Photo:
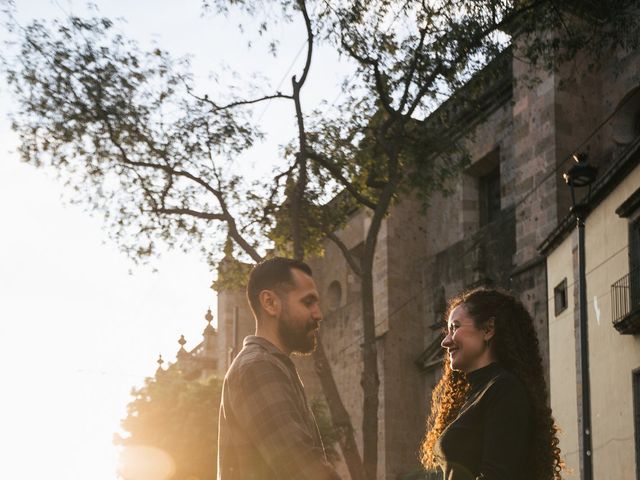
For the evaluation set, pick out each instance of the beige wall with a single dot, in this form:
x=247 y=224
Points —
x=612 y=356
x=562 y=355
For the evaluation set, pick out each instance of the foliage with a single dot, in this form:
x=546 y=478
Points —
x=179 y=416
x=123 y=131
x=232 y=273
x=328 y=432
x=134 y=143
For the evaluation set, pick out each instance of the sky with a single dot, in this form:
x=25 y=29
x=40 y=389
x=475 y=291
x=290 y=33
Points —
x=80 y=324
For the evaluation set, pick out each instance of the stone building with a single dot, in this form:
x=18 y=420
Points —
x=612 y=254
x=203 y=360
x=509 y=200
x=486 y=232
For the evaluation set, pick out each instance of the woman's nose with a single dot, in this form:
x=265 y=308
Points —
x=446 y=342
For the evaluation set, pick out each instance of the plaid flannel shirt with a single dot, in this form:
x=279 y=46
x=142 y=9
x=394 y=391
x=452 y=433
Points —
x=266 y=428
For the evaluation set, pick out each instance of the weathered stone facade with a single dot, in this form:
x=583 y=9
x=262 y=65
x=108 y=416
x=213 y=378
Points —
x=203 y=360
x=399 y=330
x=485 y=232
x=527 y=132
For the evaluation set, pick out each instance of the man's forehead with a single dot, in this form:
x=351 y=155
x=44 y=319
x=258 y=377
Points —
x=303 y=282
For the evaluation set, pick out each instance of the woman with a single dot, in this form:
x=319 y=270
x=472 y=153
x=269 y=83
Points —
x=489 y=415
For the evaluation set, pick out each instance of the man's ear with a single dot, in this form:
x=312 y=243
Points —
x=489 y=329
x=270 y=302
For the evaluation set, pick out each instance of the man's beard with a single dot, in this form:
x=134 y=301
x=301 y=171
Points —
x=297 y=338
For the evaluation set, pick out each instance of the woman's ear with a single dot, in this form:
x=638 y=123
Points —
x=489 y=329
x=270 y=302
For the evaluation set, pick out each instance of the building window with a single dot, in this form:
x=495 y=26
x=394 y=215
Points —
x=560 y=300
x=634 y=263
x=489 y=196
x=481 y=191
x=334 y=295
x=634 y=244
x=636 y=417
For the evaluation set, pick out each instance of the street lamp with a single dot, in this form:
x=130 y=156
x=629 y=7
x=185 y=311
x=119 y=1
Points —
x=580 y=177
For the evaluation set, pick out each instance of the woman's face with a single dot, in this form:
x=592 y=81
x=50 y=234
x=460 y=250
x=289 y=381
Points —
x=466 y=345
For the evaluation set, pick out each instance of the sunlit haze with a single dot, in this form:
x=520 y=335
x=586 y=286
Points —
x=80 y=324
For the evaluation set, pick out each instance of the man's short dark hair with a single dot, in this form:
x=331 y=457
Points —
x=271 y=274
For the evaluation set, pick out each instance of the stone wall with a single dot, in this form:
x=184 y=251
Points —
x=426 y=256
x=235 y=321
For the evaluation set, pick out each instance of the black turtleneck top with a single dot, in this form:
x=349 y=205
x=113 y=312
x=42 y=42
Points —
x=490 y=436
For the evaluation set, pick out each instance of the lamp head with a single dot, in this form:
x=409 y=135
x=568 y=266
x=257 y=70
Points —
x=580 y=177
x=581 y=174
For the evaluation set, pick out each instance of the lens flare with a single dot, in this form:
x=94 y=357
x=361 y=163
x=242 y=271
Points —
x=139 y=462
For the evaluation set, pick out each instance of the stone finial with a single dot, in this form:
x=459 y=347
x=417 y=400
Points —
x=209 y=330
x=160 y=370
x=182 y=353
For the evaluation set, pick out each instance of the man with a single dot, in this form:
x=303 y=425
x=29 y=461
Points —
x=266 y=428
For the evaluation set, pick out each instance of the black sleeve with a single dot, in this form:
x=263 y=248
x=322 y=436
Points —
x=507 y=418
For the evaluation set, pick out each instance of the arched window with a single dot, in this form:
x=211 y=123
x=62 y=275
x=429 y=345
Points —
x=334 y=295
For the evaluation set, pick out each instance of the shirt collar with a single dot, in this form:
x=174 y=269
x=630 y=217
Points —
x=481 y=376
x=266 y=345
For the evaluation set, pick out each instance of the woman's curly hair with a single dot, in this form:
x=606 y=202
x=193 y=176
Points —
x=515 y=345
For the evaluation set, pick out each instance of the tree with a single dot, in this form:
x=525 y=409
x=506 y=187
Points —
x=135 y=142
x=383 y=142
x=178 y=416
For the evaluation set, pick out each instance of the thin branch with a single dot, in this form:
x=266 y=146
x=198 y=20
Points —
x=307 y=23
x=561 y=19
x=297 y=196
x=337 y=174
x=345 y=253
x=441 y=69
x=274 y=189
x=227 y=216
x=373 y=183
x=412 y=69
x=379 y=81
x=217 y=108
x=191 y=213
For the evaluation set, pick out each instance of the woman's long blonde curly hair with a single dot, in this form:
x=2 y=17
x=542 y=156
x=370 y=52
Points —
x=515 y=346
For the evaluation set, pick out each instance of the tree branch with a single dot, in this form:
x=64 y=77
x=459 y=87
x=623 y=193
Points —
x=345 y=252
x=228 y=217
x=379 y=82
x=275 y=186
x=442 y=69
x=307 y=23
x=217 y=108
x=191 y=213
x=337 y=174
x=412 y=70
x=298 y=193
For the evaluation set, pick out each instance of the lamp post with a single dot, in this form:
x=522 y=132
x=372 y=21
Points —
x=580 y=177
